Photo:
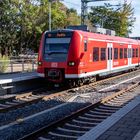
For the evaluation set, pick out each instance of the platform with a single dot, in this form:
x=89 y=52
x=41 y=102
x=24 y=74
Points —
x=16 y=77
x=122 y=125
x=19 y=82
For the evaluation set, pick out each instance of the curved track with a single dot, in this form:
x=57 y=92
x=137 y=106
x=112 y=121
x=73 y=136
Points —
x=26 y=99
x=75 y=125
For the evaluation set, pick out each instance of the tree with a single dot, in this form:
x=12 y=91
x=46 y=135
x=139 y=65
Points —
x=72 y=17
x=22 y=22
x=8 y=28
x=120 y=19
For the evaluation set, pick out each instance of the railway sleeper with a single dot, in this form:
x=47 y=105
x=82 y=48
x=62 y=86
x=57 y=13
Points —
x=115 y=105
x=105 y=110
x=100 y=113
x=123 y=98
x=66 y=132
x=73 y=126
x=84 y=122
x=90 y=119
x=109 y=107
x=96 y=116
x=4 y=105
x=11 y=103
x=56 y=135
x=118 y=101
x=71 y=130
x=18 y=101
x=42 y=138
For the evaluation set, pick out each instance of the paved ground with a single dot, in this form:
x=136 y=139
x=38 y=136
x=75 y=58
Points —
x=9 y=78
x=126 y=128
x=122 y=125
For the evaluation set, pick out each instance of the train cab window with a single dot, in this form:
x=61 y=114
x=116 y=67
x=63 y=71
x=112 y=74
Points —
x=125 y=52
x=103 y=54
x=85 y=45
x=121 y=53
x=95 y=54
x=133 y=52
x=136 y=52
x=115 y=53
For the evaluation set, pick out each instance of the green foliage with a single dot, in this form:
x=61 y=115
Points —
x=120 y=19
x=73 y=19
x=3 y=63
x=22 y=22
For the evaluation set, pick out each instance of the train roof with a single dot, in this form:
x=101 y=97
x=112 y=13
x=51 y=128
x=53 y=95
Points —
x=97 y=36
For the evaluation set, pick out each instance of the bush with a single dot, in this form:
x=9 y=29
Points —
x=3 y=63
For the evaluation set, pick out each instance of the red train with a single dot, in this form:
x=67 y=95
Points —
x=76 y=56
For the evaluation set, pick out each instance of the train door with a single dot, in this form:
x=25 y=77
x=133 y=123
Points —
x=129 y=55
x=109 y=62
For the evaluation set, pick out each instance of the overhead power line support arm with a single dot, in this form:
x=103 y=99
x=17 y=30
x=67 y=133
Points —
x=84 y=9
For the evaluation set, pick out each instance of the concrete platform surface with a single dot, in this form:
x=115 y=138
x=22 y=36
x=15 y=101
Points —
x=16 y=77
x=122 y=125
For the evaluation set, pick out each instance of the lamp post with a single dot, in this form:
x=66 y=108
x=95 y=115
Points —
x=50 y=14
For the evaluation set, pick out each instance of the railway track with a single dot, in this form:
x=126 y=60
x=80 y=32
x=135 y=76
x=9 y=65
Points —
x=81 y=121
x=66 y=101
x=19 y=101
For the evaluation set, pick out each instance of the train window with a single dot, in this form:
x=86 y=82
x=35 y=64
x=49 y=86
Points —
x=85 y=45
x=103 y=54
x=129 y=53
x=115 y=53
x=136 y=52
x=125 y=53
x=121 y=53
x=95 y=54
x=133 y=52
x=109 y=53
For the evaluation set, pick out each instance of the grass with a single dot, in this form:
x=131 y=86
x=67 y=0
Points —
x=3 y=63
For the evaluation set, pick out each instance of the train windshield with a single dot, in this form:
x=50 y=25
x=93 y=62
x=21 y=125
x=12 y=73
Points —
x=56 y=49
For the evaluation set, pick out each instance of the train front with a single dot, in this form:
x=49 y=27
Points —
x=57 y=55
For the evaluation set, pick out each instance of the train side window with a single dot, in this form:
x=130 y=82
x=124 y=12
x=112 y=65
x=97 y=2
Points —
x=133 y=52
x=115 y=53
x=103 y=54
x=95 y=54
x=125 y=52
x=121 y=53
x=136 y=52
x=129 y=52
x=109 y=53
x=85 y=45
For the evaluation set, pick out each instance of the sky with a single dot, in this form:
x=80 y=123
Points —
x=76 y=4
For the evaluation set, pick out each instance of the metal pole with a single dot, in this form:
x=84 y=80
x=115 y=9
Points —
x=50 y=20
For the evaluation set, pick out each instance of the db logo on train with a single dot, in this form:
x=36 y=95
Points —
x=54 y=65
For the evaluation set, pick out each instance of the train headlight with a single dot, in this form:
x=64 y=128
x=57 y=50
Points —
x=71 y=63
x=39 y=63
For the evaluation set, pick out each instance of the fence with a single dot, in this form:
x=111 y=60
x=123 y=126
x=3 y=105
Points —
x=18 y=65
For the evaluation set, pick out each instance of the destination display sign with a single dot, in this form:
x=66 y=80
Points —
x=58 y=34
